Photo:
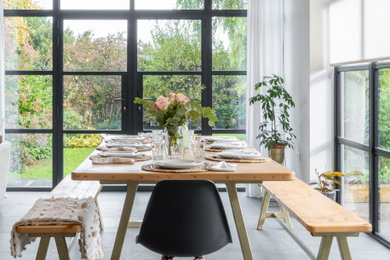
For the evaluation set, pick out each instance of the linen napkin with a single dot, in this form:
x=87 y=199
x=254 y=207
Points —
x=224 y=167
x=118 y=149
x=97 y=159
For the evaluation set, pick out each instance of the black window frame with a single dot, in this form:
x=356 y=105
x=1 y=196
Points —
x=131 y=83
x=372 y=148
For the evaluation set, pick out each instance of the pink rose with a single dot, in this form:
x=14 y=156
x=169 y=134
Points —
x=171 y=97
x=182 y=99
x=162 y=103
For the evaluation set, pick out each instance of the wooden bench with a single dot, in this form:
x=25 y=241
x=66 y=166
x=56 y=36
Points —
x=69 y=189
x=321 y=216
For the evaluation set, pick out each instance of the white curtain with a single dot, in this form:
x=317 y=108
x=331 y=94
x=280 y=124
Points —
x=265 y=57
x=2 y=61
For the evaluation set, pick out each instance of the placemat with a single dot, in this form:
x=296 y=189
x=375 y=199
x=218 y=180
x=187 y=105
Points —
x=219 y=159
x=154 y=168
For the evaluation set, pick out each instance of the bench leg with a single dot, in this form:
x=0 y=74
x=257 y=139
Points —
x=62 y=248
x=323 y=252
x=264 y=213
x=343 y=247
x=42 y=249
x=286 y=217
x=263 y=210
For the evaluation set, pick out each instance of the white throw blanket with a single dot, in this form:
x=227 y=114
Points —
x=62 y=211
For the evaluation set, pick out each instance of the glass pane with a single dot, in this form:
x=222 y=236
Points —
x=77 y=147
x=28 y=43
x=25 y=5
x=156 y=85
x=29 y=101
x=384 y=108
x=229 y=98
x=168 y=4
x=169 y=45
x=95 y=4
x=95 y=45
x=31 y=160
x=89 y=102
x=230 y=4
x=355 y=124
x=229 y=43
x=384 y=195
x=356 y=188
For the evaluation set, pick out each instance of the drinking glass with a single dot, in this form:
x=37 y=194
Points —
x=157 y=135
x=177 y=151
x=158 y=151
x=199 y=146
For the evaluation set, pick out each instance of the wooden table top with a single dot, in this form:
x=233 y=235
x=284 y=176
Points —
x=246 y=173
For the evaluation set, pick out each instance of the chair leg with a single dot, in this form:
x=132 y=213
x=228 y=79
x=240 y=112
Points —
x=165 y=257
x=200 y=257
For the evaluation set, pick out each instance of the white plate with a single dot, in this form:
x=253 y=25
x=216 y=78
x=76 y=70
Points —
x=125 y=140
x=134 y=145
x=178 y=164
x=241 y=154
x=118 y=154
x=227 y=145
x=220 y=138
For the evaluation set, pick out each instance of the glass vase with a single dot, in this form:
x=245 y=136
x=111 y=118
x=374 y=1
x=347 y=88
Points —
x=174 y=145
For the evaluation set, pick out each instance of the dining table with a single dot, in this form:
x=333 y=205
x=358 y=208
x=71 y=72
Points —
x=133 y=175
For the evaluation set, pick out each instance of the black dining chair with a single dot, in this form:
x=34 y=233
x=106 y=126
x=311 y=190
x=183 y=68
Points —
x=184 y=219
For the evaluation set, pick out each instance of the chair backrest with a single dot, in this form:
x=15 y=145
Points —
x=185 y=218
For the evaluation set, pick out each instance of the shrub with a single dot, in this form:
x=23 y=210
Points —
x=84 y=140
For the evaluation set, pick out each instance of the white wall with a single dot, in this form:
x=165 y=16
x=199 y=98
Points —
x=321 y=91
x=297 y=75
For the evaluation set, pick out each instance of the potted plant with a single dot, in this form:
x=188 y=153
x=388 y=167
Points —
x=326 y=183
x=275 y=130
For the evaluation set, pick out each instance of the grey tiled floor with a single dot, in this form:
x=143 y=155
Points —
x=271 y=243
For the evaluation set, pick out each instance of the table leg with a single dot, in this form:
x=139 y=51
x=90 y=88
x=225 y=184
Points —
x=239 y=220
x=122 y=228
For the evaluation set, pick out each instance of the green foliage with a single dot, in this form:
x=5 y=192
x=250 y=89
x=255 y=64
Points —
x=275 y=102
x=84 y=141
x=88 y=100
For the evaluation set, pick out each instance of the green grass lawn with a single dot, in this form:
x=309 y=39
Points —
x=43 y=168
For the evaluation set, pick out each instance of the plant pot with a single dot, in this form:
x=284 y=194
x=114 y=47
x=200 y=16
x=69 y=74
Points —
x=277 y=153
x=330 y=194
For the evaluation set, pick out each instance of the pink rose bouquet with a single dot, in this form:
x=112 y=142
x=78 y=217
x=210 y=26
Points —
x=175 y=109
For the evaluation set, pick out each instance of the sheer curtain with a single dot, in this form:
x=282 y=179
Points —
x=2 y=61
x=265 y=57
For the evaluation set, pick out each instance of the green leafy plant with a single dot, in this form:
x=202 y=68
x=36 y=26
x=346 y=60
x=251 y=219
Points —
x=327 y=180
x=275 y=102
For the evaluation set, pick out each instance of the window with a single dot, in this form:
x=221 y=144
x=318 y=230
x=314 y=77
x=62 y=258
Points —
x=73 y=69
x=363 y=142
